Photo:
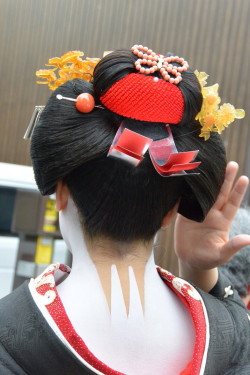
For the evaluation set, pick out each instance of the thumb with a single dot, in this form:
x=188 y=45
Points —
x=234 y=245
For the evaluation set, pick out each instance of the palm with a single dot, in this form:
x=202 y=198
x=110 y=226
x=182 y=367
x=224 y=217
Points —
x=206 y=245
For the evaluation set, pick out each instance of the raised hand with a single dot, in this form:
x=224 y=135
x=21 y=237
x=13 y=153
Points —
x=201 y=247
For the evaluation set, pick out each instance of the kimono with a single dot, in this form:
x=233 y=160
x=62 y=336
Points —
x=37 y=338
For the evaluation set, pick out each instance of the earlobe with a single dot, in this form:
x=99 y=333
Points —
x=169 y=216
x=62 y=196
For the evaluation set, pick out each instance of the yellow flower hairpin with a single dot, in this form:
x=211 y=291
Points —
x=212 y=117
x=68 y=66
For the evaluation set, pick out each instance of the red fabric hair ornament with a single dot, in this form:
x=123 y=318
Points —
x=145 y=98
x=131 y=146
x=148 y=98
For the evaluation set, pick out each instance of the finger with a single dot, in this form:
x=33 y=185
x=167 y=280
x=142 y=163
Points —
x=233 y=246
x=236 y=196
x=231 y=172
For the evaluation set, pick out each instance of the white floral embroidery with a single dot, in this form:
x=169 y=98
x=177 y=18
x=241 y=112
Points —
x=178 y=284
x=49 y=279
x=228 y=291
x=50 y=269
x=48 y=297
x=194 y=294
x=165 y=271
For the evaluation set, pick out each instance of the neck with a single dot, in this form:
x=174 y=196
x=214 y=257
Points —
x=104 y=260
x=107 y=251
x=111 y=257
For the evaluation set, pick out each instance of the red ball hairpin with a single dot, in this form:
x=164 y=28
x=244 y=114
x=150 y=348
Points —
x=162 y=63
x=85 y=102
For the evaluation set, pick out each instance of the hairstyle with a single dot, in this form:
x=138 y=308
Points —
x=114 y=198
x=238 y=268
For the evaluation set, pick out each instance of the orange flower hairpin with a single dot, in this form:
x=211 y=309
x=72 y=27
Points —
x=67 y=67
x=70 y=66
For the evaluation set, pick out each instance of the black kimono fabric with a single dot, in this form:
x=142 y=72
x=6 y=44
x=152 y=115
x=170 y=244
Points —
x=28 y=345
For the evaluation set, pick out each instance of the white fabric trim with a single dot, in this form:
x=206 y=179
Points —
x=204 y=359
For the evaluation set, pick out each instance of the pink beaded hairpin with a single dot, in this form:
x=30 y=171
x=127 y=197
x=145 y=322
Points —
x=159 y=62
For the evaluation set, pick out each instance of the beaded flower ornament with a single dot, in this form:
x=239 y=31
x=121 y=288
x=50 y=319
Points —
x=162 y=63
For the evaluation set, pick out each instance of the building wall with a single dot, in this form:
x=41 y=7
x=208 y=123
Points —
x=212 y=35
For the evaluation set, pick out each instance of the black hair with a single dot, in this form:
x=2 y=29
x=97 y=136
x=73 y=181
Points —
x=114 y=198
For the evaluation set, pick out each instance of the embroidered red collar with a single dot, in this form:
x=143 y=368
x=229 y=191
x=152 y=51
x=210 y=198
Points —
x=45 y=287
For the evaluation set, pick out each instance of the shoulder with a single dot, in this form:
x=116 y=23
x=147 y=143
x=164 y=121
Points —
x=25 y=336
x=16 y=304
x=227 y=333
x=11 y=313
x=11 y=304
x=229 y=326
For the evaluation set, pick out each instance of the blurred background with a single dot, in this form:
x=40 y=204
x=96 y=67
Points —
x=212 y=35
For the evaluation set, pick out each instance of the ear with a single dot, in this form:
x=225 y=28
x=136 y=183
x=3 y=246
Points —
x=169 y=216
x=62 y=196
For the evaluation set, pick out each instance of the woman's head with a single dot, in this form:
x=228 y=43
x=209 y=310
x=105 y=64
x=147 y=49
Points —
x=114 y=198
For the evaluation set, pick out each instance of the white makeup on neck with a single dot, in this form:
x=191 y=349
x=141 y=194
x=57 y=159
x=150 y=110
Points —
x=124 y=337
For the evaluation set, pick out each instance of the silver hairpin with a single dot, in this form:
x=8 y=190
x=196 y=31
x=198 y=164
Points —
x=60 y=97
x=33 y=121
